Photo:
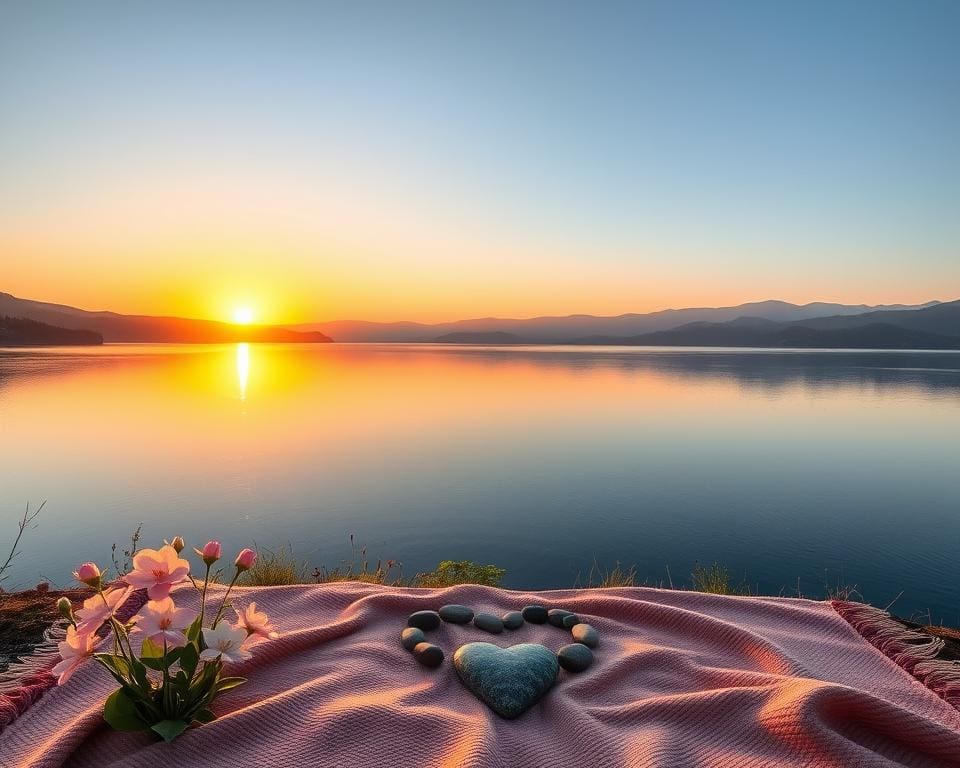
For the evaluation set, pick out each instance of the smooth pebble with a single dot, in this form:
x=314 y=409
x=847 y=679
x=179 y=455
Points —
x=425 y=620
x=570 y=621
x=512 y=620
x=488 y=623
x=411 y=637
x=430 y=655
x=535 y=614
x=575 y=657
x=556 y=616
x=456 y=614
x=585 y=634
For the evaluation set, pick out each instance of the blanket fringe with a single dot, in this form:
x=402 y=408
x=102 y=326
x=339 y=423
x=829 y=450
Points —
x=914 y=651
x=28 y=679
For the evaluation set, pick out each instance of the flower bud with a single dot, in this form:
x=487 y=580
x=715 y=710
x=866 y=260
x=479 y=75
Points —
x=66 y=609
x=211 y=552
x=245 y=560
x=89 y=574
x=178 y=544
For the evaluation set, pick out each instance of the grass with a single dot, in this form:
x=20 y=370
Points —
x=599 y=577
x=280 y=567
x=715 y=579
x=274 y=568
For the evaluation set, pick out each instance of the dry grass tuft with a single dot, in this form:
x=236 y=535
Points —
x=274 y=568
x=600 y=578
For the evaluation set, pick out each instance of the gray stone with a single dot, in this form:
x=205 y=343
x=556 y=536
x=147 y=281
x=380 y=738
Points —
x=488 y=623
x=456 y=614
x=508 y=680
x=586 y=635
x=512 y=620
x=411 y=636
x=429 y=655
x=425 y=620
x=575 y=657
x=570 y=621
x=556 y=616
x=535 y=614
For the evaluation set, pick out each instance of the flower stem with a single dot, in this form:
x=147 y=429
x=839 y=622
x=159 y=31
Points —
x=203 y=593
x=224 y=603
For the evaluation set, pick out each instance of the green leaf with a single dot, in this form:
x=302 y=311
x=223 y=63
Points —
x=116 y=664
x=204 y=716
x=153 y=662
x=121 y=713
x=169 y=729
x=189 y=657
x=150 y=650
x=226 y=683
x=140 y=675
x=193 y=633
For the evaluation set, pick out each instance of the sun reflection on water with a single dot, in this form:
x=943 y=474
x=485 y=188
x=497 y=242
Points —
x=243 y=368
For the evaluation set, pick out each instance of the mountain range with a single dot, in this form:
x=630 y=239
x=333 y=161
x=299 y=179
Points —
x=571 y=328
x=934 y=325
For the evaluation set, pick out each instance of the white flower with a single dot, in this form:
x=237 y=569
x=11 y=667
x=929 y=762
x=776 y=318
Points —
x=226 y=642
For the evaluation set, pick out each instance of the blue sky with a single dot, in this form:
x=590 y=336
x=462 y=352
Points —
x=430 y=160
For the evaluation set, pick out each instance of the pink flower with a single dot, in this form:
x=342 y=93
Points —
x=162 y=622
x=256 y=623
x=225 y=642
x=100 y=607
x=245 y=559
x=76 y=649
x=157 y=570
x=88 y=574
x=210 y=553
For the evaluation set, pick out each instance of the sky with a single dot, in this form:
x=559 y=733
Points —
x=441 y=160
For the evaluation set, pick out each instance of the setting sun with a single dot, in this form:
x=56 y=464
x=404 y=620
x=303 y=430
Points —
x=243 y=315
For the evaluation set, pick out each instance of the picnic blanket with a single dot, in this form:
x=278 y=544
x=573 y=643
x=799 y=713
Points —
x=679 y=679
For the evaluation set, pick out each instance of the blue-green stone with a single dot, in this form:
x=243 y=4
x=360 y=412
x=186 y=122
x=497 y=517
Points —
x=508 y=680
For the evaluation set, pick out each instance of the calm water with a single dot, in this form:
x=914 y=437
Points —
x=784 y=466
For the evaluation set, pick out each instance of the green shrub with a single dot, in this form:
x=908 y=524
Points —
x=452 y=572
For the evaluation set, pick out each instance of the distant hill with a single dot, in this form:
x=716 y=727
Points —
x=18 y=332
x=551 y=330
x=115 y=327
x=493 y=337
x=935 y=327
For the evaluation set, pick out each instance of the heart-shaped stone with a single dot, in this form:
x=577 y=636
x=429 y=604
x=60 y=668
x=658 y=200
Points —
x=508 y=680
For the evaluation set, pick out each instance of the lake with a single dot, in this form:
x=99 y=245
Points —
x=794 y=469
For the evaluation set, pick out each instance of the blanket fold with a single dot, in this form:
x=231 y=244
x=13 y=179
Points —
x=679 y=679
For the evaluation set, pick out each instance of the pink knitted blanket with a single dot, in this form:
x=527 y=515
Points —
x=679 y=679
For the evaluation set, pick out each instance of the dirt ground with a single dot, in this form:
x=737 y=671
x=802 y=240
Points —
x=24 y=616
